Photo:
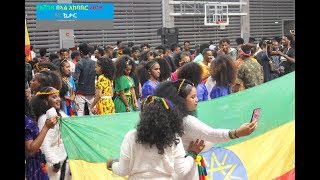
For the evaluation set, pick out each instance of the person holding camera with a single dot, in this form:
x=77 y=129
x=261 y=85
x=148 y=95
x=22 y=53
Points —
x=288 y=54
x=276 y=70
x=183 y=94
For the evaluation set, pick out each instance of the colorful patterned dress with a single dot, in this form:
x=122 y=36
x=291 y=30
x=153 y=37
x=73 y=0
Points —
x=105 y=105
x=35 y=166
x=123 y=83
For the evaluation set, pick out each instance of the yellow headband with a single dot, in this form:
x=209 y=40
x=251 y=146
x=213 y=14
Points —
x=63 y=61
x=181 y=85
x=47 y=93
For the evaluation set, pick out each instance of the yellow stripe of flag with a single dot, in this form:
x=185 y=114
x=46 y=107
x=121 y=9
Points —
x=269 y=155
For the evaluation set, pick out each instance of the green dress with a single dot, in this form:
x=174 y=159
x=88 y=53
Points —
x=123 y=83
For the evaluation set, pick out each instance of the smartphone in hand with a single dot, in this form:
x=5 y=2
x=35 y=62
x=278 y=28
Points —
x=255 y=114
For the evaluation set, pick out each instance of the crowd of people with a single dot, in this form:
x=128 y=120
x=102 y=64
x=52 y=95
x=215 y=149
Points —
x=165 y=83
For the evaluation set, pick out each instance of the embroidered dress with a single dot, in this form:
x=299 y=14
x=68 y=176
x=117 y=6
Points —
x=35 y=166
x=148 y=88
x=68 y=106
x=105 y=105
x=123 y=83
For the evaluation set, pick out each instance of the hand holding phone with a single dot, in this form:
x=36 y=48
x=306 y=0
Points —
x=255 y=114
x=247 y=128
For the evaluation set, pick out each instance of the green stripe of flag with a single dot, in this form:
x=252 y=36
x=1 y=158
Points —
x=276 y=98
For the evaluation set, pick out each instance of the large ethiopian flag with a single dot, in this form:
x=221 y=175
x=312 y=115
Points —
x=268 y=153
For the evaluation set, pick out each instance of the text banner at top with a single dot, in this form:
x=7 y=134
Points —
x=74 y=16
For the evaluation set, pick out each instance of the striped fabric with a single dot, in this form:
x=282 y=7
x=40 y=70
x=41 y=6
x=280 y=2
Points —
x=27 y=43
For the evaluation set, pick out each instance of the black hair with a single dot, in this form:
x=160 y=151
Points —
x=49 y=65
x=166 y=47
x=121 y=64
x=118 y=42
x=246 y=48
x=53 y=56
x=159 y=126
x=115 y=54
x=135 y=48
x=165 y=69
x=49 y=78
x=42 y=51
x=170 y=62
x=205 y=51
x=186 y=42
x=84 y=48
x=203 y=46
x=62 y=50
x=252 y=39
x=101 y=51
x=39 y=103
x=191 y=71
x=142 y=70
x=130 y=44
x=277 y=38
x=224 y=40
x=63 y=90
x=161 y=47
x=74 y=54
x=144 y=44
x=61 y=66
x=107 y=67
x=173 y=46
x=144 y=55
x=126 y=50
x=91 y=50
x=169 y=90
x=262 y=44
x=239 y=41
x=177 y=58
x=289 y=37
x=215 y=52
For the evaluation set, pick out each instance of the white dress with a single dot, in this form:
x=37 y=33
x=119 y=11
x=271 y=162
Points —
x=195 y=129
x=139 y=161
x=53 y=148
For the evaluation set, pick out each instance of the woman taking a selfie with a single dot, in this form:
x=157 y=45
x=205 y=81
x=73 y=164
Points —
x=183 y=94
